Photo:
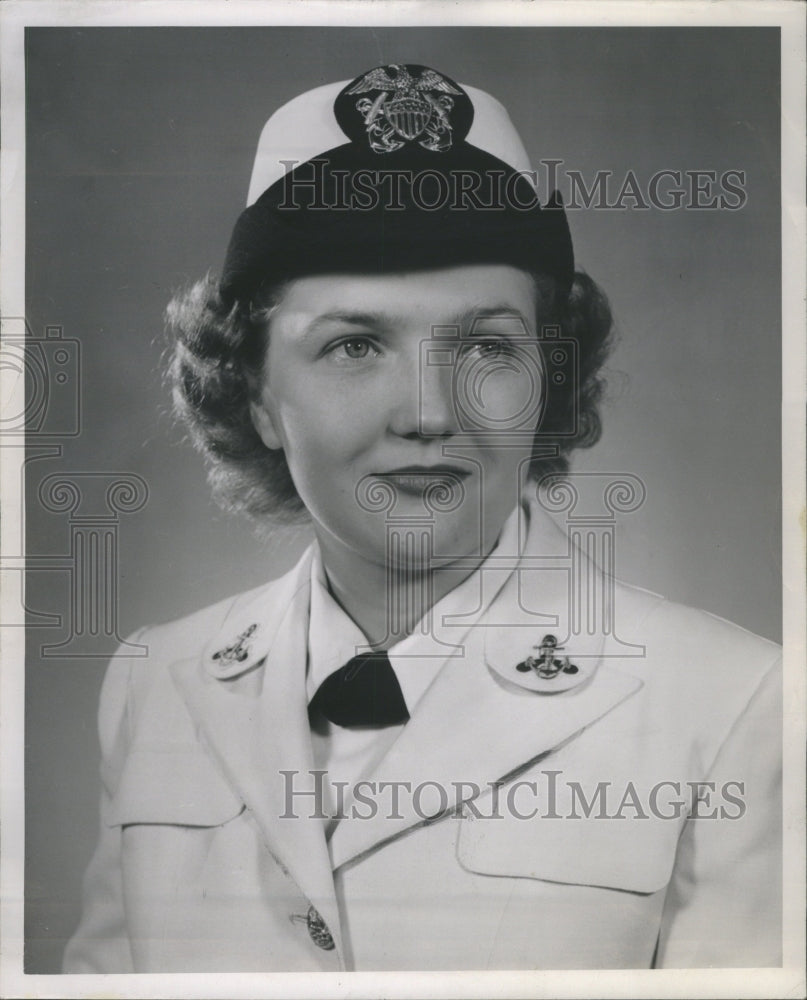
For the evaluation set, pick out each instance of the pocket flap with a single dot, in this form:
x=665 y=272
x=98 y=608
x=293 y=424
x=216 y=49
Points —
x=178 y=787
x=634 y=855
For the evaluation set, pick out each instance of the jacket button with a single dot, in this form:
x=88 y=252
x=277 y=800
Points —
x=318 y=930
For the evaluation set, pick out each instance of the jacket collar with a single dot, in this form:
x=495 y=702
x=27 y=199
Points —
x=251 y=707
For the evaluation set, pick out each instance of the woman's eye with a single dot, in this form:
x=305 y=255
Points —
x=487 y=348
x=355 y=349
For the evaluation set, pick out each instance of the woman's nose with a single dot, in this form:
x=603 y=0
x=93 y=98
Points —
x=424 y=399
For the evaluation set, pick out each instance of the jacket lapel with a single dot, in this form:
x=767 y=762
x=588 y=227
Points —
x=251 y=709
x=482 y=720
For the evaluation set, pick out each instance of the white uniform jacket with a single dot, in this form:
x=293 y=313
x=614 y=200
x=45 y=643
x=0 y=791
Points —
x=624 y=815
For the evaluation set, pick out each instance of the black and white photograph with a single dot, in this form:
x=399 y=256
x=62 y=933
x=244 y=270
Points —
x=403 y=483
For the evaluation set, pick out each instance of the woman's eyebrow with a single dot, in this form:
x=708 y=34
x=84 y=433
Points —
x=384 y=320
x=349 y=318
x=484 y=312
x=500 y=311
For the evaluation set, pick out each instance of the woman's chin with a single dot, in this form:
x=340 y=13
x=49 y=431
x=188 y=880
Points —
x=416 y=545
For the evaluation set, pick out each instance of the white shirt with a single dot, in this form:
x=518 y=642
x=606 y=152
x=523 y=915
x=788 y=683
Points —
x=349 y=755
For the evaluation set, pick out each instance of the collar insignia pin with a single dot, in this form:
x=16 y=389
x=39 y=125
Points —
x=239 y=650
x=547 y=665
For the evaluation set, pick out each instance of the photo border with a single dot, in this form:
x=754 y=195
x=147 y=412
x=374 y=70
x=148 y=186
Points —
x=15 y=15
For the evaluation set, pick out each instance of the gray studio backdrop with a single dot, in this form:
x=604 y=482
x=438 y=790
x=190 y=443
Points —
x=139 y=151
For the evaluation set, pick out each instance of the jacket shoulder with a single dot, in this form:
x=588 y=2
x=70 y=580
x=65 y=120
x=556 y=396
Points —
x=189 y=635
x=705 y=670
x=138 y=691
x=692 y=630
x=191 y=631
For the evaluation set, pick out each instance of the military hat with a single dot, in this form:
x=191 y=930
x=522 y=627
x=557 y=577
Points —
x=399 y=169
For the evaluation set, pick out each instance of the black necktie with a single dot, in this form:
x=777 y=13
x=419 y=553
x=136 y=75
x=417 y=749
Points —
x=365 y=692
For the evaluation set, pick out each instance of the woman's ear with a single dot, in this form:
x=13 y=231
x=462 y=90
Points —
x=264 y=424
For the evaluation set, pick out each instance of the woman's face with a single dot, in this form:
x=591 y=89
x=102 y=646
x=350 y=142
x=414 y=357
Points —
x=405 y=399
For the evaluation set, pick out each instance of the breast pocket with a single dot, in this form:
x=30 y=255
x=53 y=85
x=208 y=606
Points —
x=174 y=787
x=629 y=854
x=570 y=894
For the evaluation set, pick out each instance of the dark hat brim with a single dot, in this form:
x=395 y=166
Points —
x=353 y=211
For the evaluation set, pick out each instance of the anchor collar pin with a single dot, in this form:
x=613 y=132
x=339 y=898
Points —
x=548 y=665
x=547 y=668
x=235 y=649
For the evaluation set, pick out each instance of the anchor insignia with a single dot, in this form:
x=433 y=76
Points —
x=239 y=650
x=547 y=665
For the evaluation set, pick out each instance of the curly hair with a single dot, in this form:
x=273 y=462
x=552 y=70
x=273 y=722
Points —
x=217 y=352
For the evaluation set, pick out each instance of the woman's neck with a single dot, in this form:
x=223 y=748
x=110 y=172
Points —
x=387 y=601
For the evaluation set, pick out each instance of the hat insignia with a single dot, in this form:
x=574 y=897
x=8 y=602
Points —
x=408 y=108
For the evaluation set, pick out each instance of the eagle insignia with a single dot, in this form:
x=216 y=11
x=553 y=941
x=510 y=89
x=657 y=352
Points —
x=406 y=108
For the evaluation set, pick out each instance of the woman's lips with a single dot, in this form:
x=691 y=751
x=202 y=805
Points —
x=417 y=479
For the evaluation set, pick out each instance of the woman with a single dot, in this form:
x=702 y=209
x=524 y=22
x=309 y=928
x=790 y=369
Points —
x=426 y=747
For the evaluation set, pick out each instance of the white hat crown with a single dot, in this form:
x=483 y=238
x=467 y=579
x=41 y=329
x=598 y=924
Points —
x=306 y=126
